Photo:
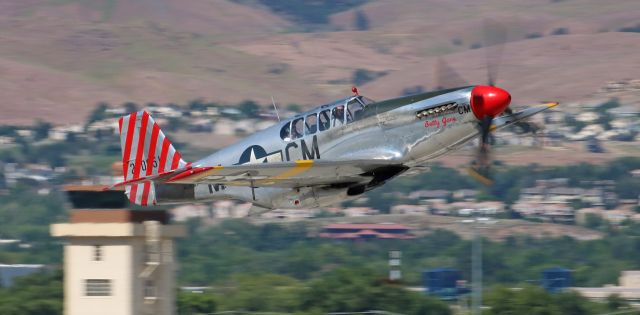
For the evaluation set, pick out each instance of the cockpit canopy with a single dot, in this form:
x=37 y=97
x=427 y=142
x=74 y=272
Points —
x=325 y=117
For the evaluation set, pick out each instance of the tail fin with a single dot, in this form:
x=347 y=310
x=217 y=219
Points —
x=145 y=151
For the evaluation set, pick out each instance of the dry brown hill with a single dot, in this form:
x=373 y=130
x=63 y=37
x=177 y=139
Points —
x=58 y=58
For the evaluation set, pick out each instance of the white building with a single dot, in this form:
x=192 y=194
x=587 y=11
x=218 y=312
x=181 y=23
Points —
x=118 y=262
x=629 y=288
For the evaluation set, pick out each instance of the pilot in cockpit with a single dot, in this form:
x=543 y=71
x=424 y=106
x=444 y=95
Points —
x=338 y=115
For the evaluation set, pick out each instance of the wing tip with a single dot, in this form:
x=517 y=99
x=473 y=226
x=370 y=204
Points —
x=551 y=104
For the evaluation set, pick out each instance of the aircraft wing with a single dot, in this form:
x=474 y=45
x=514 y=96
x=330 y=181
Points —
x=283 y=174
x=507 y=120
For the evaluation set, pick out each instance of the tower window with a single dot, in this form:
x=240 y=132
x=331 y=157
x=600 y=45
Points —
x=97 y=287
x=97 y=253
x=150 y=289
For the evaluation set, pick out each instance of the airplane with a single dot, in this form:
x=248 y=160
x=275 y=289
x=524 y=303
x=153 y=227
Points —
x=321 y=157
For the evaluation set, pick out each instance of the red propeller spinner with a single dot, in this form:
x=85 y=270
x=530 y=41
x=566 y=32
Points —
x=489 y=101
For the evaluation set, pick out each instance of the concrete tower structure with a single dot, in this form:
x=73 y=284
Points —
x=119 y=262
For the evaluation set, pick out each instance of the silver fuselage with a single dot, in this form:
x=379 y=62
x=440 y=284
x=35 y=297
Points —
x=388 y=130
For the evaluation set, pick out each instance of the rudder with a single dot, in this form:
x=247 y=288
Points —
x=145 y=151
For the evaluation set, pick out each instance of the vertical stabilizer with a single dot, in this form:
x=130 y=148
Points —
x=145 y=151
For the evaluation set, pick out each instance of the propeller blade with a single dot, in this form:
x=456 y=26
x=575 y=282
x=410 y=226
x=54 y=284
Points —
x=485 y=128
x=495 y=36
x=477 y=175
x=480 y=168
x=447 y=77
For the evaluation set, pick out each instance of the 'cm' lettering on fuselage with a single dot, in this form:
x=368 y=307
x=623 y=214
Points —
x=464 y=109
x=308 y=152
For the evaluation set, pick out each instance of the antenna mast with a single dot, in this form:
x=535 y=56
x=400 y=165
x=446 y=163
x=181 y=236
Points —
x=275 y=107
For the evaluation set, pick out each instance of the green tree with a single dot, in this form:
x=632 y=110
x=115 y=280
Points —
x=249 y=108
x=130 y=107
x=358 y=290
x=593 y=221
x=190 y=303
x=197 y=104
x=615 y=302
x=41 y=130
x=99 y=113
x=35 y=294
x=261 y=292
x=296 y=108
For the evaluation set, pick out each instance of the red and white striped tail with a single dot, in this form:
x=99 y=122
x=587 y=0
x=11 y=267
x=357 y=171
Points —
x=145 y=151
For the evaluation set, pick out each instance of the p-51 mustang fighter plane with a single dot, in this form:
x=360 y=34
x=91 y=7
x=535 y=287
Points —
x=321 y=157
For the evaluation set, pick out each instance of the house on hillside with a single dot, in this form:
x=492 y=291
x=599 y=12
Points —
x=359 y=211
x=558 y=212
x=465 y=194
x=409 y=209
x=356 y=231
x=430 y=194
x=290 y=214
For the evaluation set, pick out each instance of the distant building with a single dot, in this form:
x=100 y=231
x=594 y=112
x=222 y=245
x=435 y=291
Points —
x=467 y=208
x=9 y=272
x=185 y=212
x=230 y=209
x=200 y=125
x=290 y=214
x=538 y=200
x=409 y=209
x=556 y=279
x=629 y=288
x=615 y=216
x=465 y=194
x=443 y=282
x=359 y=211
x=430 y=194
x=582 y=214
x=559 y=212
x=366 y=231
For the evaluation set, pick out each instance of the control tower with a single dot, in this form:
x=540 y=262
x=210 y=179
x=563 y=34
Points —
x=119 y=261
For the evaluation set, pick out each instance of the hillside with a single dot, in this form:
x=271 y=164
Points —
x=59 y=58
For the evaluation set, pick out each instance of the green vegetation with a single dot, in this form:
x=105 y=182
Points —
x=340 y=290
x=249 y=108
x=215 y=255
x=308 y=11
x=363 y=76
x=283 y=268
x=99 y=113
x=630 y=29
x=35 y=294
x=195 y=303
x=534 y=300
x=25 y=215
x=508 y=181
x=41 y=130
x=279 y=268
